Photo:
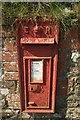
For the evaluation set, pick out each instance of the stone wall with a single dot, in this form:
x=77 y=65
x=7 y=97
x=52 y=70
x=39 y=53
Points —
x=68 y=82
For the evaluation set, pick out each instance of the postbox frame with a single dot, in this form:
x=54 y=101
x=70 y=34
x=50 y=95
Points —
x=21 y=42
x=36 y=58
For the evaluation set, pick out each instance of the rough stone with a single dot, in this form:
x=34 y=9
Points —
x=13 y=101
x=25 y=115
x=75 y=56
x=4 y=91
x=3 y=102
x=9 y=56
x=71 y=105
x=0 y=72
x=11 y=66
x=41 y=116
x=13 y=97
x=0 y=55
x=78 y=80
x=7 y=113
x=1 y=84
x=2 y=96
x=11 y=76
x=10 y=85
x=10 y=45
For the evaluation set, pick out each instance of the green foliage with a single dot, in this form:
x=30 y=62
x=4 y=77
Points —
x=65 y=13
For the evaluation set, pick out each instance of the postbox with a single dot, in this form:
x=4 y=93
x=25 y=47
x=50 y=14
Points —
x=37 y=43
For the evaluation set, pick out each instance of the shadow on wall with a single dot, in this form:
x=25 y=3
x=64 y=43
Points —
x=62 y=81
x=66 y=84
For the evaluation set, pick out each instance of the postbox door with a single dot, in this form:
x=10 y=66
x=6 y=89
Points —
x=38 y=82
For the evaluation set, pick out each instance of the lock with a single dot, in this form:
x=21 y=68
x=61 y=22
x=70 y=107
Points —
x=35 y=88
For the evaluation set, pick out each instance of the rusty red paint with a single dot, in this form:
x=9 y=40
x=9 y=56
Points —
x=38 y=42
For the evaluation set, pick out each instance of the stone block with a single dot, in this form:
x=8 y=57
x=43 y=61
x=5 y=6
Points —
x=7 y=76
x=9 y=56
x=11 y=85
x=13 y=101
x=25 y=115
x=15 y=76
x=1 y=64
x=0 y=55
x=71 y=97
x=11 y=76
x=75 y=44
x=1 y=74
x=10 y=45
x=1 y=84
x=1 y=78
x=11 y=66
x=78 y=80
x=2 y=103
x=7 y=113
x=70 y=112
x=4 y=91
x=75 y=56
x=77 y=92
x=14 y=105
x=2 y=96
x=78 y=110
x=72 y=105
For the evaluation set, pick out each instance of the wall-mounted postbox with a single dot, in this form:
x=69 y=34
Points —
x=37 y=44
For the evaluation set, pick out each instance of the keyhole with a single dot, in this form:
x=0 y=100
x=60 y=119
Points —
x=31 y=88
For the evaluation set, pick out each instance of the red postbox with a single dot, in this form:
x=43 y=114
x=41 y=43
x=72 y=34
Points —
x=37 y=44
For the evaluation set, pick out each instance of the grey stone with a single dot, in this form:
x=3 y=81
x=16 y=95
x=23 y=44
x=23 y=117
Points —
x=4 y=91
x=75 y=56
x=14 y=117
x=2 y=103
x=56 y=115
x=1 y=64
x=1 y=84
x=0 y=47
x=72 y=105
x=10 y=85
x=25 y=115
x=77 y=93
x=6 y=114
x=78 y=80
x=0 y=72
x=17 y=111
x=9 y=113
x=1 y=78
x=2 y=96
